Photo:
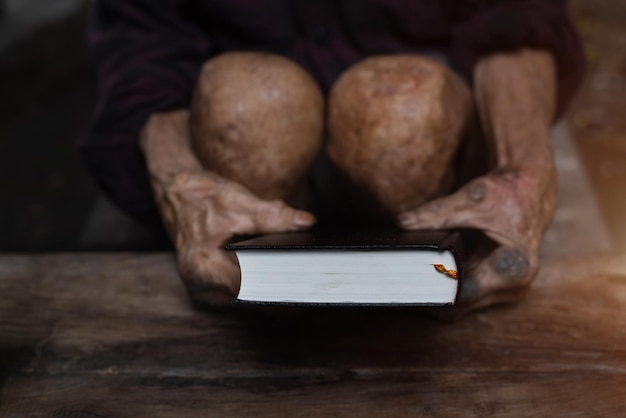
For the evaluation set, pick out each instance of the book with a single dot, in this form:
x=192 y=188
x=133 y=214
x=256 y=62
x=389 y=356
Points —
x=404 y=268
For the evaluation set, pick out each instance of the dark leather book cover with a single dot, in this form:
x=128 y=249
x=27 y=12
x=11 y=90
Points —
x=349 y=240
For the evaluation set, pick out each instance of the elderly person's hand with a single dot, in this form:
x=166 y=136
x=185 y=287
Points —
x=202 y=211
x=513 y=204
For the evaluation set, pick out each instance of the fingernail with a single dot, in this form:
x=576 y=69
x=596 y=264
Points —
x=406 y=219
x=303 y=219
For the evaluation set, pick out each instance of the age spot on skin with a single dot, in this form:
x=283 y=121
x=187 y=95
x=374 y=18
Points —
x=510 y=263
x=477 y=192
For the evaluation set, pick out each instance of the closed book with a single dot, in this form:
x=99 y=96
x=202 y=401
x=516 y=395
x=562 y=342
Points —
x=393 y=267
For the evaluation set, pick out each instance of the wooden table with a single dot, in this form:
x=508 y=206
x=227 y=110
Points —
x=96 y=335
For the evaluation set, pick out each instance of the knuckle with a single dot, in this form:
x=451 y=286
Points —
x=476 y=191
x=278 y=206
x=436 y=205
x=274 y=210
x=265 y=206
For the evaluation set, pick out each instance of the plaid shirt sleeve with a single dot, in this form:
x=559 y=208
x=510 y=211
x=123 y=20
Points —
x=148 y=55
x=487 y=26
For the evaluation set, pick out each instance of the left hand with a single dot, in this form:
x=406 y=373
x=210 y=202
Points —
x=512 y=205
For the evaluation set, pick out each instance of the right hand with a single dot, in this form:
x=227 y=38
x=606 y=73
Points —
x=202 y=211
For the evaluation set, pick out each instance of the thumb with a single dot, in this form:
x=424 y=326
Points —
x=275 y=216
x=459 y=210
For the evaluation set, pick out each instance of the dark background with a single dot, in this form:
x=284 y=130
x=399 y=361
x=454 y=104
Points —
x=47 y=95
x=48 y=202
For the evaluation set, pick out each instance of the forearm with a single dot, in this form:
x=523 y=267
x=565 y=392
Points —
x=165 y=143
x=516 y=97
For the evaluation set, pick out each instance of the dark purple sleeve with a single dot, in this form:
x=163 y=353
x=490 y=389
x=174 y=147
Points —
x=484 y=27
x=148 y=55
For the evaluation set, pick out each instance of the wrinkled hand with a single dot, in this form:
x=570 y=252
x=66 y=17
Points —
x=512 y=206
x=202 y=211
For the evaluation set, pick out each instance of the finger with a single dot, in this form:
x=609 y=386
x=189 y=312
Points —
x=459 y=210
x=505 y=269
x=208 y=271
x=275 y=216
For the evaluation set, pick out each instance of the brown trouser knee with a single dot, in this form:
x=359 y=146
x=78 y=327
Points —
x=394 y=125
x=257 y=119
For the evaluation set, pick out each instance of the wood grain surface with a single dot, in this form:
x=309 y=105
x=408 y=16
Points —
x=114 y=335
